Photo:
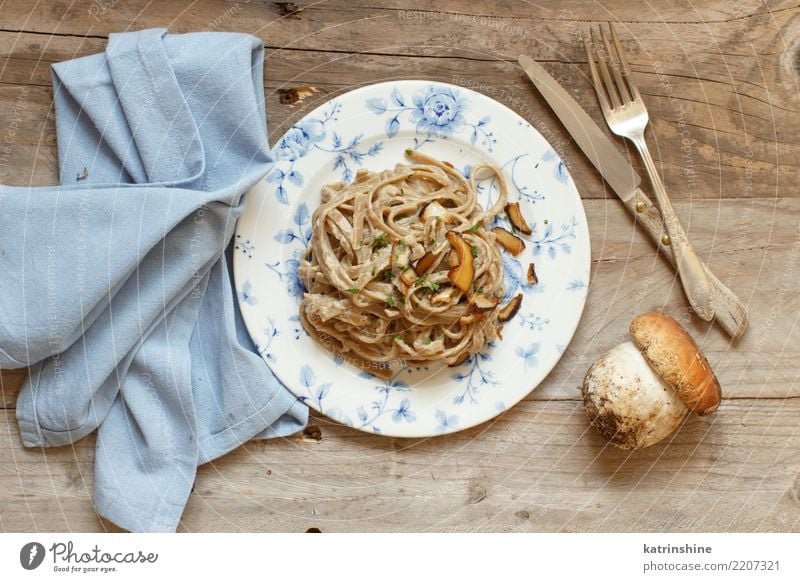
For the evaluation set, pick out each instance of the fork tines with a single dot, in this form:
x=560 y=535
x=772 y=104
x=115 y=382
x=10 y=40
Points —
x=611 y=61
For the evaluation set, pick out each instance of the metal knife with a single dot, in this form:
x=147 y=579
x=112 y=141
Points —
x=731 y=312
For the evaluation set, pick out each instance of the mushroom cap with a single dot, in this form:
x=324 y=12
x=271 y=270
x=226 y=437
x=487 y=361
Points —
x=673 y=353
x=628 y=402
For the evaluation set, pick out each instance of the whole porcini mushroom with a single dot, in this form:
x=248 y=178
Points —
x=640 y=391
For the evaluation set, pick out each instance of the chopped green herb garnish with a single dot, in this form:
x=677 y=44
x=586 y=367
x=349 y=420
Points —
x=386 y=275
x=397 y=337
x=403 y=300
x=380 y=242
x=513 y=229
x=431 y=242
x=427 y=341
x=402 y=192
x=474 y=228
x=409 y=151
x=546 y=221
x=536 y=166
x=354 y=290
x=390 y=301
x=479 y=290
x=474 y=251
x=423 y=282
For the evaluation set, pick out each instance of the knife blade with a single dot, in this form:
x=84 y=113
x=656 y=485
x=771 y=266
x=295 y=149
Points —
x=731 y=312
x=612 y=165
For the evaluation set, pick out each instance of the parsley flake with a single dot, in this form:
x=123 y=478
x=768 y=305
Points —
x=380 y=242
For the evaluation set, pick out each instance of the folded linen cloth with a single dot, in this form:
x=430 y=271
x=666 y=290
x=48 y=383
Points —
x=115 y=287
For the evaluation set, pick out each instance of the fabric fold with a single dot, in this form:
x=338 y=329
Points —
x=117 y=292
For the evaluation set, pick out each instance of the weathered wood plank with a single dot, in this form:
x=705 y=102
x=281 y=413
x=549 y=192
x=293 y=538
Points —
x=537 y=468
x=721 y=77
x=722 y=115
x=754 y=246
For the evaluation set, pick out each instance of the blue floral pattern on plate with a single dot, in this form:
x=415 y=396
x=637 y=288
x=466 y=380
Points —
x=370 y=128
x=437 y=111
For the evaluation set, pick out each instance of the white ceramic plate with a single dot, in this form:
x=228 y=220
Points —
x=370 y=128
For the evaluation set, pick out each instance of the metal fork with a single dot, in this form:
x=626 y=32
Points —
x=626 y=115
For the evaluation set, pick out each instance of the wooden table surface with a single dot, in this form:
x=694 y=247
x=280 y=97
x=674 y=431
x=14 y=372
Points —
x=721 y=81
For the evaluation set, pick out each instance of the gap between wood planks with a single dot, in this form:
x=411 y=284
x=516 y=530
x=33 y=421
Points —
x=276 y=48
x=730 y=397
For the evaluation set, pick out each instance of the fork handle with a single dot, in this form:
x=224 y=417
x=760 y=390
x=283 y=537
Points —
x=690 y=268
x=731 y=312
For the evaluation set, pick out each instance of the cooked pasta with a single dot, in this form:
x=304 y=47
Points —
x=402 y=266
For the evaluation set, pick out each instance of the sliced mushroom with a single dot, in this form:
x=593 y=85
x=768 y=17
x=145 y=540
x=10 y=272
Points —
x=425 y=263
x=443 y=297
x=517 y=220
x=510 y=309
x=408 y=277
x=462 y=275
x=484 y=303
x=532 y=279
x=513 y=244
x=471 y=318
x=401 y=255
x=436 y=210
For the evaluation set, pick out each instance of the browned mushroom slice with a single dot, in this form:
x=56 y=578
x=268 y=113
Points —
x=510 y=309
x=462 y=275
x=425 y=263
x=483 y=303
x=532 y=279
x=471 y=318
x=408 y=277
x=401 y=255
x=508 y=241
x=517 y=220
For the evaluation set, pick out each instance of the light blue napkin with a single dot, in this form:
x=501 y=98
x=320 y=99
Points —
x=115 y=288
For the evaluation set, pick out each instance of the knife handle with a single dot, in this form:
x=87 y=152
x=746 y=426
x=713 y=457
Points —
x=731 y=312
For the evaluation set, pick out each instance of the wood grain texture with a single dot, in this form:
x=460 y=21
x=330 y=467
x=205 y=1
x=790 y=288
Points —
x=721 y=82
x=536 y=468
x=753 y=246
